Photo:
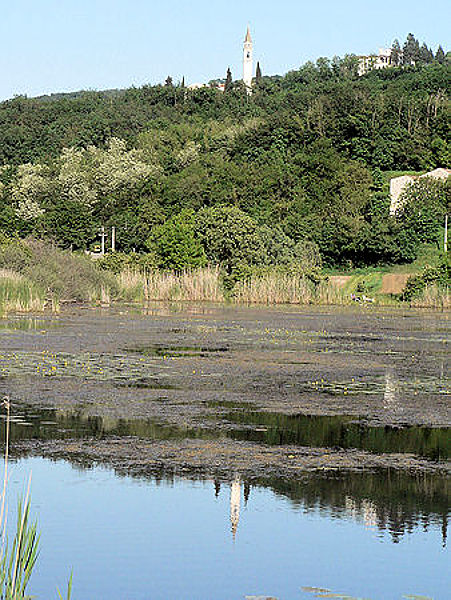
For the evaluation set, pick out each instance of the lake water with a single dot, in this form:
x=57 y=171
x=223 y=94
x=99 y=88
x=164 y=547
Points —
x=175 y=538
x=352 y=379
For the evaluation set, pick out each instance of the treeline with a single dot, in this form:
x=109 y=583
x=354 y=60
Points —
x=297 y=167
x=413 y=54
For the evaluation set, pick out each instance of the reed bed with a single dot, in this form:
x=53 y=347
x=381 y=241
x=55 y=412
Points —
x=99 y=295
x=328 y=293
x=433 y=296
x=286 y=288
x=132 y=284
x=273 y=288
x=18 y=294
x=193 y=285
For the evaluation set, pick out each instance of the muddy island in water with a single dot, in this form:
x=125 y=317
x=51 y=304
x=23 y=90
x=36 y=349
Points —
x=221 y=391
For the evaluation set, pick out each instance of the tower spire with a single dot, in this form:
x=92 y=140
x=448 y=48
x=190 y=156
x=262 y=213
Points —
x=248 y=69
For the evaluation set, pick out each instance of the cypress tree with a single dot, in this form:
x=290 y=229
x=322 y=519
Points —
x=411 y=50
x=426 y=55
x=440 y=55
x=396 y=53
x=228 y=81
x=258 y=74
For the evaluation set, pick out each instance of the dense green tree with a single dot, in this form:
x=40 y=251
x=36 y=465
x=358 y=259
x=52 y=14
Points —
x=68 y=223
x=411 y=50
x=278 y=247
x=426 y=55
x=424 y=205
x=228 y=81
x=258 y=74
x=175 y=244
x=230 y=238
x=440 y=55
x=396 y=54
x=134 y=224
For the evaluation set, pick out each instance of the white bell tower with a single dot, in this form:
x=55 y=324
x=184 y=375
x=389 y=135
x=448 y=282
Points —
x=248 y=65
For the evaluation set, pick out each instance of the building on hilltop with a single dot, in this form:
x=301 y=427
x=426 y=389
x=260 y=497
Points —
x=217 y=84
x=248 y=69
x=248 y=61
x=399 y=184
x=382 y=60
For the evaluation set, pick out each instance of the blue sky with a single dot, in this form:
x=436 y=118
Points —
x=63 y=45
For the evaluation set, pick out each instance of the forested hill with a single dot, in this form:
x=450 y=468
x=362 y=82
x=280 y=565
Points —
x=392 y=119
x=305 y=154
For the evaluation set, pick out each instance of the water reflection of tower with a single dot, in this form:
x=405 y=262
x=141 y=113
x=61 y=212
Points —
x=391 y=387
x=235 y=500
x=364 y=511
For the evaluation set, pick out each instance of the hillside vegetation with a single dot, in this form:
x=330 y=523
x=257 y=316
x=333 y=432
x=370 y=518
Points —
x=293 y=174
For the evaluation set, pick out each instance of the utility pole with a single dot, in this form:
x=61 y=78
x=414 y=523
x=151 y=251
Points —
x=445 y=238
x=103 y=236
x=113 y=239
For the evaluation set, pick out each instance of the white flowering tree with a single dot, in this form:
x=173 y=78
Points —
x=28 y=190
x=74 y=180
x=117 y=168
x=83 y=189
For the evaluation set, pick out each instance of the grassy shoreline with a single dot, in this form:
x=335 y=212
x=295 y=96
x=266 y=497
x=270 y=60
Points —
x=19 y=295
x=35 y=277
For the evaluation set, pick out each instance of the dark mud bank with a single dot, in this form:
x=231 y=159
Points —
x=237 y=389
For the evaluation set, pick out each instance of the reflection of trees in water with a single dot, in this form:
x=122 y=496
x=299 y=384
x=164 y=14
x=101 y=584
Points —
x=391 y=501
x=341 y=431
x=388 y=500
x=63 y=423
x=264 y=427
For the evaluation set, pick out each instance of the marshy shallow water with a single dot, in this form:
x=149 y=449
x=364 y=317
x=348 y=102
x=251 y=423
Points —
x=34 y=423
x=275 y=423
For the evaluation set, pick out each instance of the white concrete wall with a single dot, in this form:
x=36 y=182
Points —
x=398 y=185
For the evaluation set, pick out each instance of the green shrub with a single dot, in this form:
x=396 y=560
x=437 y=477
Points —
x=439 y=275
x=230 y=238
x=175 y=244
x=63 y=275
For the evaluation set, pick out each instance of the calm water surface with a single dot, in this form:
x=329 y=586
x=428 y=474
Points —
x=30 y=422
x=147 y=539
x=378 y=535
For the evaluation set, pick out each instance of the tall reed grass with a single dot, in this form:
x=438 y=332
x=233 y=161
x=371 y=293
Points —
x=270 y=287
x=205 y=284
x=433 y=296
x=286 y=288
x=194 y=285
x=19 y=294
